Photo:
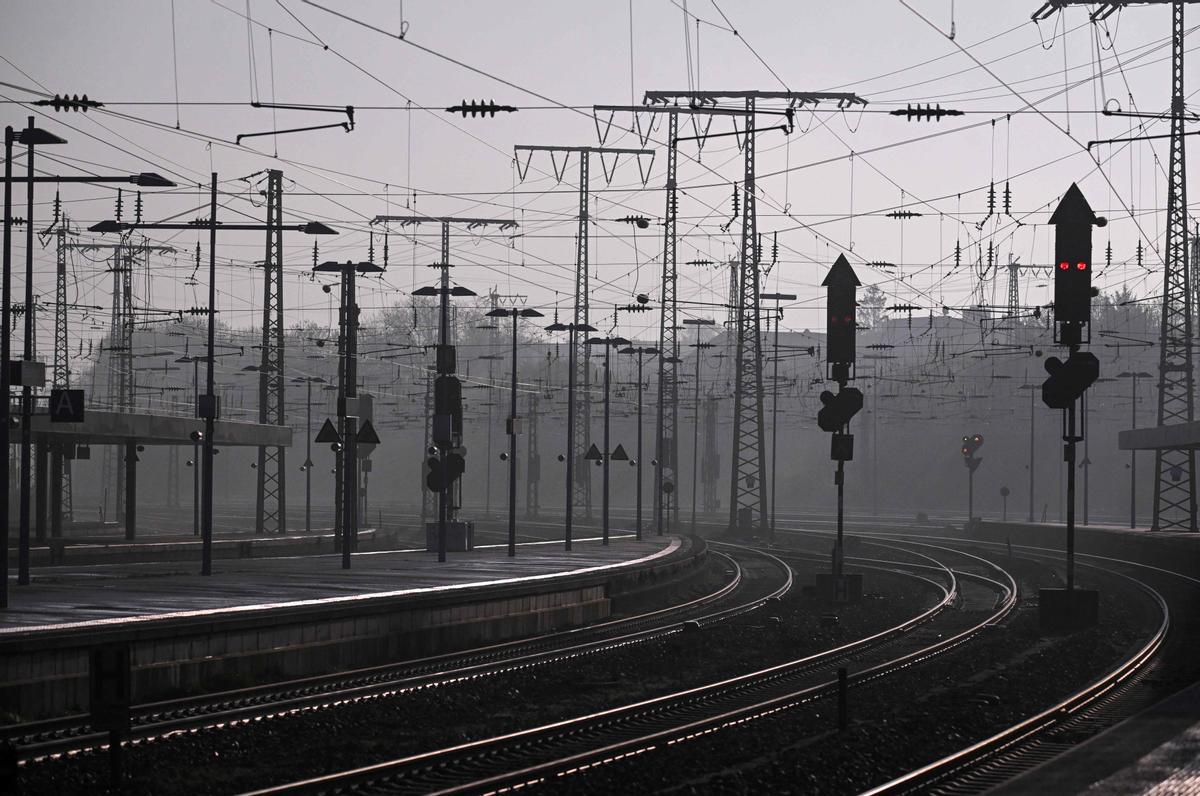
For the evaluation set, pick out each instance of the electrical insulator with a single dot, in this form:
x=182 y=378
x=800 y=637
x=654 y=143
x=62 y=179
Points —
x=478 y=108
x=991 y=202
x=314 y=254
x=1007 y=199
x=385 y=250
x=926 y=113
x=57 y=206
x=957 y=253
x=1139 y=254
x=736 y=201
x=70 y=102
x=137 y=207
x=120 y=204
x=775 y=248
x=370 y=247
x=1108 y=255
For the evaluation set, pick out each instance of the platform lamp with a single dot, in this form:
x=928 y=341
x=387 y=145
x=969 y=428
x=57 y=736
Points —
x=1133 y=375
x=641 y=352
x=307 y=467
x=572 y=329
x=777 y=298
x=609 y=344
x=208 y=401
x=513 y=421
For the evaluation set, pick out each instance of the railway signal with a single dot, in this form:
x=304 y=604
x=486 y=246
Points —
x=841 y=283
x=970 y=444
x=1068 y=382
x=836 y=411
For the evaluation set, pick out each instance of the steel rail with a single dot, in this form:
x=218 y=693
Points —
x=72 y=733
x=619 y=732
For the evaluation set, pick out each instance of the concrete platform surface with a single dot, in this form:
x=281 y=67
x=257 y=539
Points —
x=70 y=598
x=1155 y=752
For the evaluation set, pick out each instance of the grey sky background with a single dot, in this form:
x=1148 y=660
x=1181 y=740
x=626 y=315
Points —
x=402 y=159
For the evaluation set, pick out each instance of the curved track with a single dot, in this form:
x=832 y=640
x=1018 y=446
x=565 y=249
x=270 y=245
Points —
x=1109 y=699
x=536 y=755
x=740 y=594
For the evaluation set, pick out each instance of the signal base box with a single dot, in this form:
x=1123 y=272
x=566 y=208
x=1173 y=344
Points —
x=460 y=536
x=846 y=589
x=1062 y=611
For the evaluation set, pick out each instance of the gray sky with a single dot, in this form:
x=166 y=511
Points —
x=575 y=54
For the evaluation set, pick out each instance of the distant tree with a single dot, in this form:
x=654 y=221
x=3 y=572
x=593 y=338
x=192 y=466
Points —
x=871 y=307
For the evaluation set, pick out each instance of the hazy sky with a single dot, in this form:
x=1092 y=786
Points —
x=575 y=54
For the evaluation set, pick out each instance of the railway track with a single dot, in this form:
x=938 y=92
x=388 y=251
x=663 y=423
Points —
x=1113 y=697
x=541 y=754
x=740 y=594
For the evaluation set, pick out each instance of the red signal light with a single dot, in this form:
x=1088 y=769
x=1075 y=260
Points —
x=1064 y=266
x=1081 y=266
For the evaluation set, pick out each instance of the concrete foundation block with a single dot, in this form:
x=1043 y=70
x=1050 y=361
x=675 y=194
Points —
x=1062 y=611
x=846 y=589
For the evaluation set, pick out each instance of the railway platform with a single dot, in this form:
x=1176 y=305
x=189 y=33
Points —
x=302 y=615
x=1155 y=752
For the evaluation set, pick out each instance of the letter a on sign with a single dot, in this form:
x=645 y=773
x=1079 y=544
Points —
x=66 y=406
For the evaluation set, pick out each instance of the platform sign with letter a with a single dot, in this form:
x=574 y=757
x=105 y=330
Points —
x=66 y=406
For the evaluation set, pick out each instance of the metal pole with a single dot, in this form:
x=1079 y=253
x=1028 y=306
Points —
x=512 y=447
x=1032 y=398
x=339 y=457
x=40 y=464
x=130 y=490
x=5 y=357
x=570 y=434
x=350 y=449
x=605 y=455
x=1087 y=464
x=970 y=494
x=196 y=453
x=1070 y=440
x=1133 y=458
x=774 y=422
x=444 y=340
x=56 y=489
x=696 y=430
x=26 y=391
x=308 y=464
x=840 y=478
x=638 y=528
x=210 y=410
x=875 y=452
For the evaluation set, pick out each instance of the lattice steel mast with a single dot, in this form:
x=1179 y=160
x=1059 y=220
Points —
x=582 y=416
x=271 y=495
x=1174 y=470
x=444 y=223
x=60 y=465
x=667 y=441
x=748 y=491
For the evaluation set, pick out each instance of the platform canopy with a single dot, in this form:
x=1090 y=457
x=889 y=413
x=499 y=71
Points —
x=1174 y=437
x=100 y=428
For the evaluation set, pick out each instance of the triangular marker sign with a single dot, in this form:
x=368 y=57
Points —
x=619 y=455
x=328 y=433
x=593 y=454
x=367 y=435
